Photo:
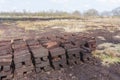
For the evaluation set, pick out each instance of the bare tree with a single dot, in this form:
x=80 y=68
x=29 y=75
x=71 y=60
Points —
x=116 y=12
x=91 y=12
x=76 y=13
x=106 y=14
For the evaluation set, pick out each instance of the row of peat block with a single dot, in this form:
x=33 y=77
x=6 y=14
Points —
x=20 y=59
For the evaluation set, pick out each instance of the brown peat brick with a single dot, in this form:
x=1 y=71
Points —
x=58 y=58
x=57 y=51
x=40 y=52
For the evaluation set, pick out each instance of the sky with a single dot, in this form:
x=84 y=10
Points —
x=60 y=5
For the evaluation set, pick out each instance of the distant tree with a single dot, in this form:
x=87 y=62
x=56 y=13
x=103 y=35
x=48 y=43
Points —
x=91 y=12
x=24 y=12
x=116 y=12
x=76 y=13
x=106 y=14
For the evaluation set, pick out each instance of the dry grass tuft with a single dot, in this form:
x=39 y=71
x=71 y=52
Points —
x=109 y=54
x=72 y=25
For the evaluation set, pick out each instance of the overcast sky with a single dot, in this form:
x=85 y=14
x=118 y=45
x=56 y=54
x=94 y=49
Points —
x=61 y=5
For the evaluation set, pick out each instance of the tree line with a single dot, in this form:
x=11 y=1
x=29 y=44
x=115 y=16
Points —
x=88 y=13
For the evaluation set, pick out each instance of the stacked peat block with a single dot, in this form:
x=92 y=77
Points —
x=5 y=60
x=87 y=45
x=56 y=53
x=92 y=43
x=72 y=50
x=40 y=56
x=58 y=58
x=90 y=46
x=22 y=60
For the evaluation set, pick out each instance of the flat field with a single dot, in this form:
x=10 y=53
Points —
x=105 y=30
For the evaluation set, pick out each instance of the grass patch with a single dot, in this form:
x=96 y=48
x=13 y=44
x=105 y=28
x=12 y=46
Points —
x=110 y=54
x=69 y=25
x=106 y=59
